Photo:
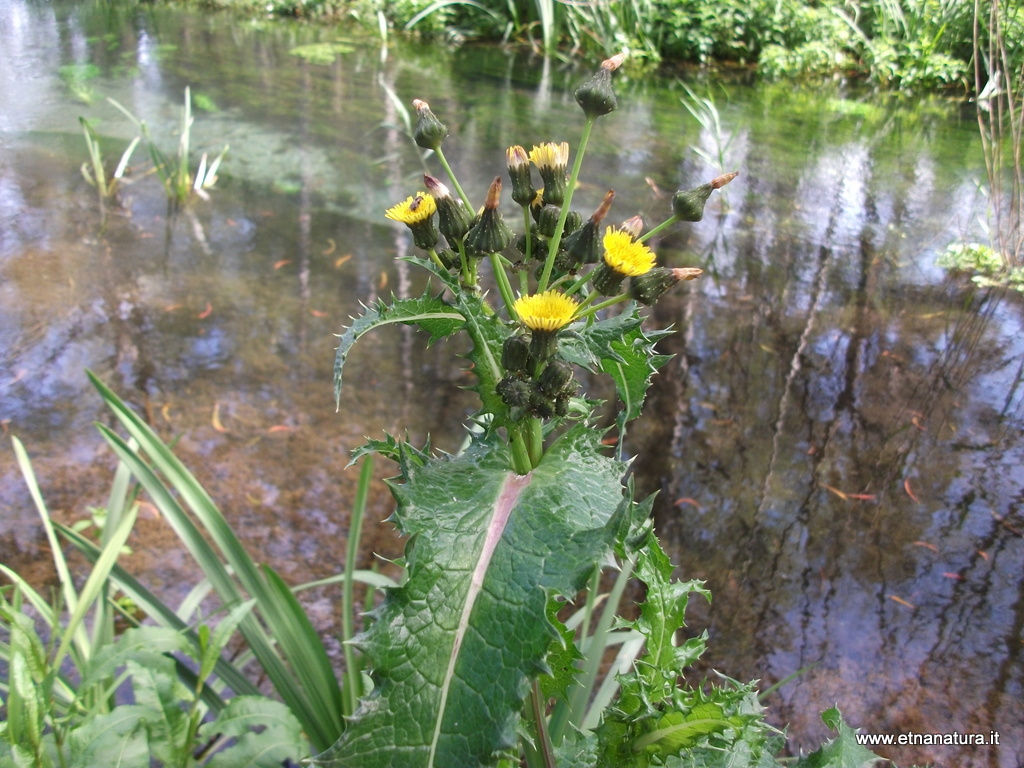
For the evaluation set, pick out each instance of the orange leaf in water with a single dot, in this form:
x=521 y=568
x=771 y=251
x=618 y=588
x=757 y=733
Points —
x=850 y=496
x=926 y=545
x=172 y=307
x=281 y=263
x=341 y=260
x=330 y=248
x=686 y=500
x=910 y=493
x=280 y=428
x=956 y=576
x=984 y=555
x=383 y=280
x=216 y=419
x=318 y=313
x=165 y=411
x=206 y=312
x=900 y=600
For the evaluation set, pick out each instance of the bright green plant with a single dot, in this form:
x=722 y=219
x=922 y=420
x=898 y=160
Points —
x=94 y=169
x=175 y=170
x=63 y=685
x=471 y=660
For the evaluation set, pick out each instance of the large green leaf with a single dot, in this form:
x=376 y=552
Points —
x=454 y=650
x=431 y=314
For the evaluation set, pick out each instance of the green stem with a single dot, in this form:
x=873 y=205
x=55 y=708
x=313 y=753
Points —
x=536 y=441
x=504 y=286
x=577 y=285
x=543 y=738
x=353 y=679
x=526 y=228
x=451 y=175
x=520 y=453
x=664 y=225
x=556 y=239
x=598 y=307
x=436 y=259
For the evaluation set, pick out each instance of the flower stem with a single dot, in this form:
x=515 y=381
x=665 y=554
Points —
x=598 y=307
x=451 y=175
x=436 y=259
x=504 y=286
x=665 y=224
x=520 y=454
x=556 y=238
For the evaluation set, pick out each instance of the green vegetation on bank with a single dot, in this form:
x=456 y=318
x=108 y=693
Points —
x=904 y=44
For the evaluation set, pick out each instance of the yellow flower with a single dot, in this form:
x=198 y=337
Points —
x=413 y=210
x=550 y=155
x=546 y=311
x=626 y=256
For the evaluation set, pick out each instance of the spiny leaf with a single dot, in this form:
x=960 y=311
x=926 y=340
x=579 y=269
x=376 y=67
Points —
x=266 y=732
x=841 y=752
x=431 y=314
x=455 y=648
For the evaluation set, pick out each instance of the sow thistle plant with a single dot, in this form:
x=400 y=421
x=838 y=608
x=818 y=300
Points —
x=474 y=659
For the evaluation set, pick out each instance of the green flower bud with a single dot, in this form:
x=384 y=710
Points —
x=490 y=233
x=515 y=354
x=515 y=391
x=430 y=132
x=453 y=218
x=541 y=406
x=519 y=172
x=606 y=281
x=448 y=257
x=556 y=379
x=573 y=221
x=688 y=205
x=596 y=95
x=547 y=220
x=650 y=286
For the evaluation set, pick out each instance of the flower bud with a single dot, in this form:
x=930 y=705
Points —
x=515 y=391
x=515 y=354
x=688 y=205
x=453 y=218
x=596 y=95
x=430 y=131
x=519 y=172
x=547 y=220
x=552 y=161
x=583 y=245
x=556 y=379
x=490 y=233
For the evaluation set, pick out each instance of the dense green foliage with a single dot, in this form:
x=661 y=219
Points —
x=905 y=44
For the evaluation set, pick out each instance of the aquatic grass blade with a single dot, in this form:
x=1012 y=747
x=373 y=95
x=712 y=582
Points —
x=317 y=703
x=156 y=609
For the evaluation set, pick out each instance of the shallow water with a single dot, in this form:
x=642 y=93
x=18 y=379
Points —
x=836 y=443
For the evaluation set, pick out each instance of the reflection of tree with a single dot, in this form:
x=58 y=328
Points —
x=807 y=386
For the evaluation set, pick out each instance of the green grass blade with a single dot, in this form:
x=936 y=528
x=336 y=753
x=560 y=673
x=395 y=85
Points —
x=95 y=583
x=71 y=598
x=157 y=610
x=323 y=725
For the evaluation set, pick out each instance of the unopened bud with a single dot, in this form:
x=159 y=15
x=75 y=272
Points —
x=430 y=131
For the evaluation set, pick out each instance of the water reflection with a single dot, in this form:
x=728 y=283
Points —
x=837 y=440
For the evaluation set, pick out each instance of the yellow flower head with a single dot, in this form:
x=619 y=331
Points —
x=626 y=256
x=413 y=210
x=546 y=311
x=550 y=155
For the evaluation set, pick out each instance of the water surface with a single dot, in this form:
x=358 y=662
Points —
x=836 y=442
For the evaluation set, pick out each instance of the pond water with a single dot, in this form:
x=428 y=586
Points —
x=837 y=441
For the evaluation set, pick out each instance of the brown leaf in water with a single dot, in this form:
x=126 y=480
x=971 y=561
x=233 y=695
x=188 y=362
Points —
x=318 y=313
x=172 y=307
x=850 y=496
x=383 y=281
x=206 y=312
x=910 y=492
x=341 y=260
x=165 y=411
x=280 y=428
x=686 y=500
x=926 y=545
x=281 y=263
x=956 y=576
x=332 y=246
x=216 y=419
x=900 y=600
